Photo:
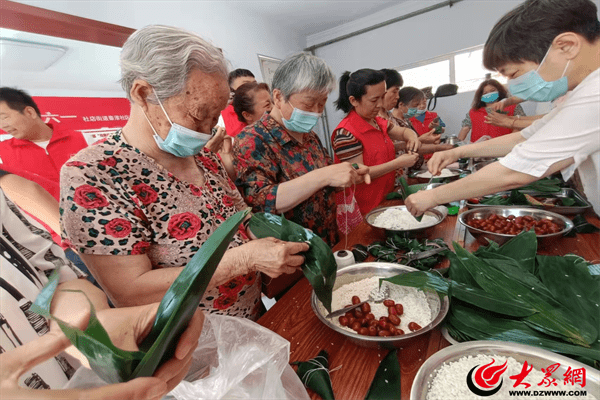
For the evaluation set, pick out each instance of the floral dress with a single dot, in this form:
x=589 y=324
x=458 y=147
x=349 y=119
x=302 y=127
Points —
x=265 y=155
x=115 y=200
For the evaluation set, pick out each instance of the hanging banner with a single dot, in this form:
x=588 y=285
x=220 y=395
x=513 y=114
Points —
x=94 y=117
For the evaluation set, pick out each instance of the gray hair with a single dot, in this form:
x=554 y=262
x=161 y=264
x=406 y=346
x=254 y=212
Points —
x=303 y=71
x=164 y=56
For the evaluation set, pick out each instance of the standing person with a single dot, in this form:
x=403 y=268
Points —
x=282 y=166
x=393 y=83
x=561 y=53
x=37 y=149
x=422 y=120
x=138 y=206
x=488 y=93
x=236 y=78
x=364 y=137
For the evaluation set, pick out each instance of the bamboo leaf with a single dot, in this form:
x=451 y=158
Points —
x=386 y=382
x=314 y=373
x=319 y=267
x=421 y=280
x=522 y=248
x=181 y=300
x=459 y=273
x=481 y=299
x=112 y=364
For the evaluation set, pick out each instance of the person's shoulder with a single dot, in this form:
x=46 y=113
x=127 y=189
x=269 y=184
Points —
x=590 y=86
x=7 y=144
x=95 y=154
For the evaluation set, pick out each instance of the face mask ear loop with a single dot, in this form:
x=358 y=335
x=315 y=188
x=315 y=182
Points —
x=566 y=66
x=161 y=106
x=543 y=59
x=150 y=123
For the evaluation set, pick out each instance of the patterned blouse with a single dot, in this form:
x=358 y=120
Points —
x=115 y=200
x=265 y=156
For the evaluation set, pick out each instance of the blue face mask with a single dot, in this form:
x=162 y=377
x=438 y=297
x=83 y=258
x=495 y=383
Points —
x=301 y=121
x=411 y=112
x=180 y=141
x=531 y=86
x=490 y=97
x=420 y=112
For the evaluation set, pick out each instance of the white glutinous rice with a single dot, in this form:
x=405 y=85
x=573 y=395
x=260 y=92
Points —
x=444 y=174
x=414 y=301
x=450 y=381
x=397 y=219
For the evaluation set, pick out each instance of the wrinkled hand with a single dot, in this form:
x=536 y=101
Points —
x=272 y=256
x=430 y=137
x=407 y=159
x=345 y=175
x=220 y=142
x=126 y=327
x=434 y=124
x=497 y=106
x=413 y=144
x=419 y=202
x=497 y=119
x=440 y=160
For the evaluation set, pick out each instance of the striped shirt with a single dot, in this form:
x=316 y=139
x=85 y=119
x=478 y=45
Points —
x=346 y=146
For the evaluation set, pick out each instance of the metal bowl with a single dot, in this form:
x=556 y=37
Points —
x=451 y=140
x=352 y=273
x=483 y=212
x=439 y=213
x=537 y=357
x=457 y=174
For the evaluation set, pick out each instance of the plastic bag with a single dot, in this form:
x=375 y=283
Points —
x=348 y=214
x=239 y=359
x=235 y=359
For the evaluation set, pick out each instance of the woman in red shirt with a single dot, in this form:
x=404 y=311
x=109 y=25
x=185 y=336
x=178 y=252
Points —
x=489 y=92
x=365 y=138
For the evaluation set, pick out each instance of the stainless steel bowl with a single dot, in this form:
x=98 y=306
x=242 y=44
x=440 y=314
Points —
x=451 y=140
x=439 y=306
x=537 y=357
x=483 y=212
x=439 y=213
x=457 y=174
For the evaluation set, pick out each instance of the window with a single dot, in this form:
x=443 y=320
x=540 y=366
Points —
x=464 y=68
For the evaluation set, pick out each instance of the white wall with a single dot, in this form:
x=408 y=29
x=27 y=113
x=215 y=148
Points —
x=438 y=32
x=241 y=34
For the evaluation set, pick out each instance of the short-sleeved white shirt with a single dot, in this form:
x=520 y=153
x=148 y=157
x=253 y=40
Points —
x=570 y=130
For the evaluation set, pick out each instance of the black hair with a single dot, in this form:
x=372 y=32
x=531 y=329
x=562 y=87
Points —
x=355 y=84
x=527 y=31
x=18 y=100
x=392 y=78
x=502 y=93
x=243 y=100
x=408 y=94
x=238 y=73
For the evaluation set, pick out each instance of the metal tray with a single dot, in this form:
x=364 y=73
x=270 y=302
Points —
x=439 y=212
x=535 y=356
x=564 y=210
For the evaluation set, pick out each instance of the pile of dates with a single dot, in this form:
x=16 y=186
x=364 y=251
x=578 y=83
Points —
x=362 y=320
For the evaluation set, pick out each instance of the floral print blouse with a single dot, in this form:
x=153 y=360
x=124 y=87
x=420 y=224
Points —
x=265 y=155
x=115 y=200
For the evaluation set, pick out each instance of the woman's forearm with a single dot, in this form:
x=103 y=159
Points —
x=462 y=135
x=294 y=192
x=497 y=147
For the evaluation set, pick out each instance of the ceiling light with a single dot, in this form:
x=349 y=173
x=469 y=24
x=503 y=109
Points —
x=28 y=56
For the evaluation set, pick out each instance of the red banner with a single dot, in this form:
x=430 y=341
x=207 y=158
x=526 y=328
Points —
x=94 y=117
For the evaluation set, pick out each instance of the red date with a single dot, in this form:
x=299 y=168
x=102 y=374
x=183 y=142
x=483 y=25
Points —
x=355 y=300
x=343 y=321
x=413 y=326
x=389 y=303
x=392 y=311
x=394 y=320
x=399 y=309
x=366 y=308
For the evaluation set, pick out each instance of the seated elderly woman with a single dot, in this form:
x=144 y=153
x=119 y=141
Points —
x=251 y=101
x=138 y=206
x=281 y=164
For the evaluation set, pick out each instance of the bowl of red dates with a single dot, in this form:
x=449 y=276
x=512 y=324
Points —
x=500 y=224
x=388 y=330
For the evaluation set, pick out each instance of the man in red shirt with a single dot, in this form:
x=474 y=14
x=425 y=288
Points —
x=237 y=78
x=37 y=150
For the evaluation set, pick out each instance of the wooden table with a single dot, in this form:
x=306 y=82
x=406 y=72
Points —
x=292 y=316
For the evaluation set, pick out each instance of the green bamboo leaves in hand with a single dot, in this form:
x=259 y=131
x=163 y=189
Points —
x=319 y=266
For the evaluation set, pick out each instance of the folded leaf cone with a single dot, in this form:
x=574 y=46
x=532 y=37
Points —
x=319 y=265
x=314 y=373
x=386 y=383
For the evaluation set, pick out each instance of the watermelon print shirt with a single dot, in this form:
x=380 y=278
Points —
x=115 y=200
x=265 y=155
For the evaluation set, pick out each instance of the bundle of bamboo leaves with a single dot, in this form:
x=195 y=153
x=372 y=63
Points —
x=509 y=293
x=176 y=309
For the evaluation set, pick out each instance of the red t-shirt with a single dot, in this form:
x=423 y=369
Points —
x=27 y=159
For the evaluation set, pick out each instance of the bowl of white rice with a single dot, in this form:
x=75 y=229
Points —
x=397 y=219
x=425 y=308
x=444 y=375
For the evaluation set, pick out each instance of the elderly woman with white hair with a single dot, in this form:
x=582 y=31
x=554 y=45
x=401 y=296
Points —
x=281 y=164
x=139 y=205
